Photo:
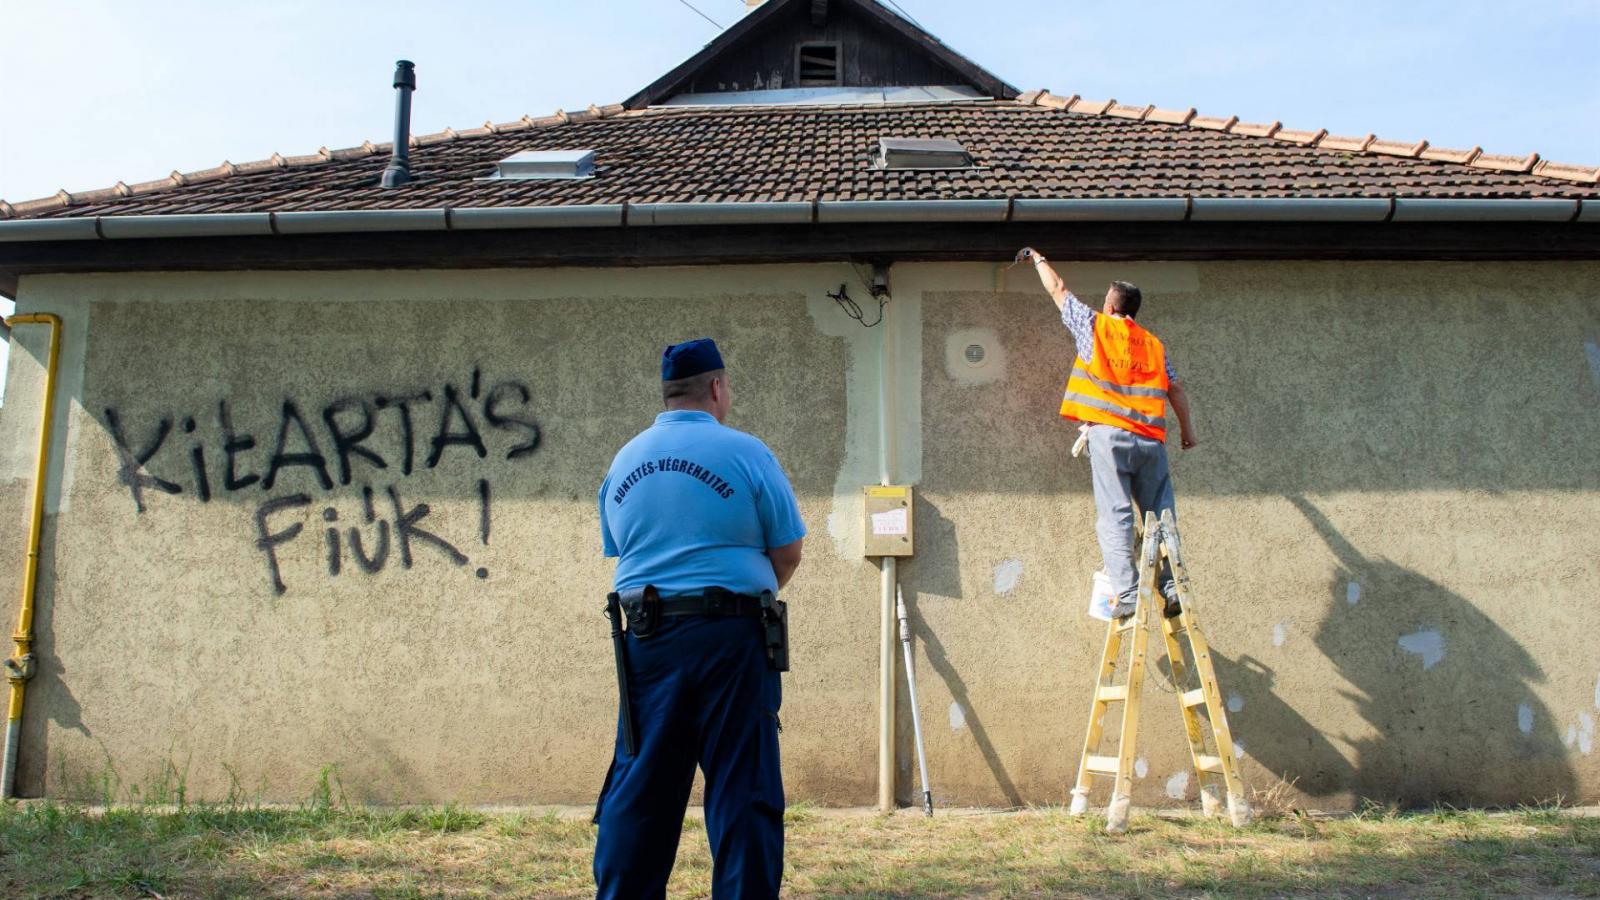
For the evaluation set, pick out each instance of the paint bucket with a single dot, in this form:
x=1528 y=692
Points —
x=1101 y=599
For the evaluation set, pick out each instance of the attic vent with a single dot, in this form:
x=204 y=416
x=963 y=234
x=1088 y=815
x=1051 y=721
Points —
x=546 y=164
x=922 y=153
x=817 y=65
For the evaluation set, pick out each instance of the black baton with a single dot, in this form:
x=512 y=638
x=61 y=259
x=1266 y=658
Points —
x=620 y=651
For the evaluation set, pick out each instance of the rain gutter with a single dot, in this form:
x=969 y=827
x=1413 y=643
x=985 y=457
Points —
x=1167 y=209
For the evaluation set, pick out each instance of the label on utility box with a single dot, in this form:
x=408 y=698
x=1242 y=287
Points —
x=887 y=529
x=893 y=522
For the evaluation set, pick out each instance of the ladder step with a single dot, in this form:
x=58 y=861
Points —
x=1109 y=693
x=1196 y=697
x=1126 y=623
x=1102 y=765
x=1209 y=763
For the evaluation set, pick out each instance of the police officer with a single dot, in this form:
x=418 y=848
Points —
x=703 y=523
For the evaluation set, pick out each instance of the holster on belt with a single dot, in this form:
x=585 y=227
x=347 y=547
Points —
x=775 y=623
x=643 y=606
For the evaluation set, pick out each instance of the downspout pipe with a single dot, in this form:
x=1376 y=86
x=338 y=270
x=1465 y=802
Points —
x=405 y=81
x=888 y=565
x=20 y=667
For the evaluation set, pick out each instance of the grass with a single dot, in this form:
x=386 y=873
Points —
x=326 y=848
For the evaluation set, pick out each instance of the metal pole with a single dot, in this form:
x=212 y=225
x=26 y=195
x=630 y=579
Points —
x=888 y=575
x=911 y=690
x=398 y=171
x=20 y=667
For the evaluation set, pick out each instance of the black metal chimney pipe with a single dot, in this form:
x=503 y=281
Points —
x=399 y=169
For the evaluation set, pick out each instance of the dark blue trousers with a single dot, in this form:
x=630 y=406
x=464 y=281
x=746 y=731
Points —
x=702 y=694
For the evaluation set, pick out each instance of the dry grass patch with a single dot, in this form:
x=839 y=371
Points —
x=51 y=850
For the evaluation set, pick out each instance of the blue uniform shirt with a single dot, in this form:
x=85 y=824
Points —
x=691 y=504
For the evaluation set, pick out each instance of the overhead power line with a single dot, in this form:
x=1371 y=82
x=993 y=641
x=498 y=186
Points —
x=701 y=14
x=902 y=11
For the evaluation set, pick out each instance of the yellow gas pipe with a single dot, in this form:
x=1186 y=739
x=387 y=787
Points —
x=19 y=668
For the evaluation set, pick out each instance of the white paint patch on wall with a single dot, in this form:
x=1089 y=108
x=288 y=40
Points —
x=974 y=356
x=1178 y=785
x=862 y=372
x=1352 y=593
x=1427 y=643
x=958 y=717
x=1006 y=576
x=1572 y=735
x=1525 y=718
x=1585 y=733
x=1141 y=767
x=1238 y=749
x=1235 y=702
x=1280 y=633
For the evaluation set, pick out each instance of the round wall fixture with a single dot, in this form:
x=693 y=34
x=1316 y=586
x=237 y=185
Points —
x=974 y=356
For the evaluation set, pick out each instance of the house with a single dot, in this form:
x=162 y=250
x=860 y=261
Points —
x=320 y=482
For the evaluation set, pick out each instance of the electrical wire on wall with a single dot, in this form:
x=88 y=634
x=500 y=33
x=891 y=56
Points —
x=853 y=309
x=877 y=287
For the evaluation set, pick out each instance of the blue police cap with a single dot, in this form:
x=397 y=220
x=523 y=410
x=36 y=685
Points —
x=689 y=359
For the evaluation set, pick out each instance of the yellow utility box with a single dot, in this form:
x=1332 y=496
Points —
x=888 y=528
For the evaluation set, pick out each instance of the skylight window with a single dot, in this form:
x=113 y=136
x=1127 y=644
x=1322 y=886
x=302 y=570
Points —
x=922 y=153
x=530 y=164
x=817 y=65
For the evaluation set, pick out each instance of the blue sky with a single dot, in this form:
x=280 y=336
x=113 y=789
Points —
x=93 y=91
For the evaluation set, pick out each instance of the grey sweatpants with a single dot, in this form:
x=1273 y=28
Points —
x=1128 y=469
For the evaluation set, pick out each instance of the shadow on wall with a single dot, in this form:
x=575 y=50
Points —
x=936 y=571
x=946 y=670
x=1446 y=692
x=48 y=689
x=1278 y=737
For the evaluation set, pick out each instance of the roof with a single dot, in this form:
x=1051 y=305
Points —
x=1038 y=146
x=908 y=38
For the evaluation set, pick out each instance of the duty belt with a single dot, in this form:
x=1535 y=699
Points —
x=645 y=608
x=714 y=604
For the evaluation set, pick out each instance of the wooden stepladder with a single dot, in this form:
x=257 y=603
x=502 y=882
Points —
x=1217 y=773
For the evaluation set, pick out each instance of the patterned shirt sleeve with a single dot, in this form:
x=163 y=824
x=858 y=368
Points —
x=1079 y=320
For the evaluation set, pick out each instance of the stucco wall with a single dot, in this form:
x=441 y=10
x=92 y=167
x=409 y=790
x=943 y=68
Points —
x=1387 y=524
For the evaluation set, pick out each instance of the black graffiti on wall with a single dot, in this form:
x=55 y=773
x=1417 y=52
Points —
x=351 y=440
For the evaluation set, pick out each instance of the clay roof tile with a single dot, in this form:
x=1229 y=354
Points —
x=1502 y=163
x=1171 y=116
x=1090 y=107
x=1346 y=143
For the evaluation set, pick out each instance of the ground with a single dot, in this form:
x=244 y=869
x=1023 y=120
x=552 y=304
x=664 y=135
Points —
x=329 y=849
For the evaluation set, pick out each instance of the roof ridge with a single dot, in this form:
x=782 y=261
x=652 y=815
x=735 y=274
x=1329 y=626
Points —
x=63 y=198
x=1371 y=144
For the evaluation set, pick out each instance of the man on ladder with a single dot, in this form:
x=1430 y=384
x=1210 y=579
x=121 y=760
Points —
x=1119 y=388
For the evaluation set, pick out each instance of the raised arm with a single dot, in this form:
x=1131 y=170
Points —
x=1053 y=285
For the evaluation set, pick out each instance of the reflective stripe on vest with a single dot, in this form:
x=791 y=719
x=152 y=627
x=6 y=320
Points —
x=1125 y=385
x=1114 y=409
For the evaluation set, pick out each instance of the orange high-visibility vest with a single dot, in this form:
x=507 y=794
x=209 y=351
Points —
x=1125 y=385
